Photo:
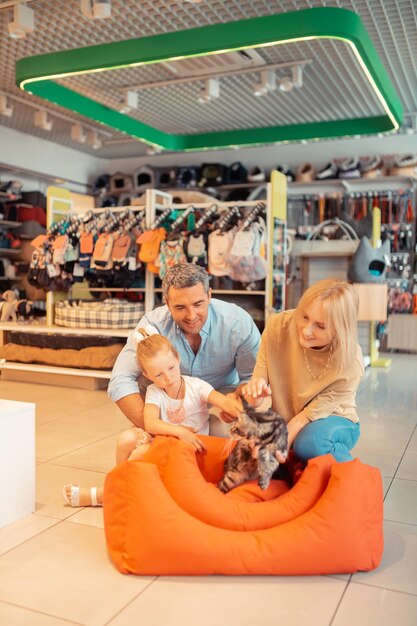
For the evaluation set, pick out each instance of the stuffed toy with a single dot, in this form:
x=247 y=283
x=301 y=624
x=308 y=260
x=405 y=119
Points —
x=8 y=305
x=24 y=309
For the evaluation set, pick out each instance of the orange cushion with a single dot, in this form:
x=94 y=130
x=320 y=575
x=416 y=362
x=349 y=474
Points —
x=164 y=515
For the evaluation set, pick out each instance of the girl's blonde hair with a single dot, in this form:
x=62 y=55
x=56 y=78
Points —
x=151 y=346
x=340 y=306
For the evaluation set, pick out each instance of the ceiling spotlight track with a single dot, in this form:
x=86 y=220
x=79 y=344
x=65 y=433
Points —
x=77 y=130
x=220 y=74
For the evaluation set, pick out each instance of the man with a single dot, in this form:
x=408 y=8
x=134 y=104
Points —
x=217 y=341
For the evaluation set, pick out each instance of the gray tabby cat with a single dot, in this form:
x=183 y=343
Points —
x=259 y=435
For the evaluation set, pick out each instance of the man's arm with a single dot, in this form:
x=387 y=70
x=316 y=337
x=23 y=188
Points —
x=123 y=386
x=132 y=407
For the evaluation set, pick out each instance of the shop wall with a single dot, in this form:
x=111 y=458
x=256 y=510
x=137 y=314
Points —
x=31 y=153
x=317 y=153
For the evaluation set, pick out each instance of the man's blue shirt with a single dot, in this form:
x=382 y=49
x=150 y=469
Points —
x=226 y=356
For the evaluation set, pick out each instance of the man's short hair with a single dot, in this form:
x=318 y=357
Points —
x=183 y=276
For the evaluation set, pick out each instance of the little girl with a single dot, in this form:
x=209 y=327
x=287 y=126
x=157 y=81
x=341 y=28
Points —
x=175 y=405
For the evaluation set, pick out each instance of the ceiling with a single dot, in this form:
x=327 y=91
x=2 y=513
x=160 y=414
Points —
x=333 y=84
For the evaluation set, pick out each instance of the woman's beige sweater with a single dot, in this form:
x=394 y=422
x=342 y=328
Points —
x=282 y=363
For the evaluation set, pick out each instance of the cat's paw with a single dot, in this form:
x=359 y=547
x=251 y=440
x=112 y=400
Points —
x=264 y=481
x=224 y=488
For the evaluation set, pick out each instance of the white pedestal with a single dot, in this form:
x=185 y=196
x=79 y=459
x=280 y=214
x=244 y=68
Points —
x=17 y=460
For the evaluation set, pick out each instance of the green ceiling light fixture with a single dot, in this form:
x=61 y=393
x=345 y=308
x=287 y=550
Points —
x=37 y=75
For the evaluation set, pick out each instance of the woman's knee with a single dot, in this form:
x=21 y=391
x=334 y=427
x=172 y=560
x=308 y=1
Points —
x=306 y=448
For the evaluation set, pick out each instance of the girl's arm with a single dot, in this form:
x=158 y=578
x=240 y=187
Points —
x=230 y=405
x=155 y=426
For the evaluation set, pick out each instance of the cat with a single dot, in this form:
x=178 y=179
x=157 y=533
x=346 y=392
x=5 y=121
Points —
x=259 y=435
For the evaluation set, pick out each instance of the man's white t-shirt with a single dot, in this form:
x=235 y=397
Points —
x=190 y=411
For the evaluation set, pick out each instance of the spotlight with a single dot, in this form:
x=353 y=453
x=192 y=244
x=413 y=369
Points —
x=23 y=21
x=210 y=91
x=42 y=120
x=94 y=140
x=131 y=102
x=297 y=76
x=77 y=133
x=5 y=108
x=287 y=83
x=267 y=83
x=96 y=9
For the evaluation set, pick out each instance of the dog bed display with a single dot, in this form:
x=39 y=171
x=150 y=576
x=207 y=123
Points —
x=96 y=357
x=110 y=313
x=164 y=515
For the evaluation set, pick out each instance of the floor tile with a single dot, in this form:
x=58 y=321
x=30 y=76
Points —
x=23 y=529
x=370 y=606
x=235 y=601
x=50 y=444
x=56 y=407
x=97 y=457
x=77 y=580
x=398 y=569
x=413 y=442
x=15 y=616
x=90 y=516
x=385 y=434
x=401 y=502
x=387 y=461
x=408 y=465
x=100 y=421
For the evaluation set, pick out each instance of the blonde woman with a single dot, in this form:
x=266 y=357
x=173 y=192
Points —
x=310 y=363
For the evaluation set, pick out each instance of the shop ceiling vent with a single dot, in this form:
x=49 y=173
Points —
x=212 y=63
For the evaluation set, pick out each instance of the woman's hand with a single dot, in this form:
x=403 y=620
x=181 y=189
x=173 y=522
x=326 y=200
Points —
x=188 y=435
x=255 y=390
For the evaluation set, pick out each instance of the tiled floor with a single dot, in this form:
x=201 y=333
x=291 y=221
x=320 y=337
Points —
x=54 y=568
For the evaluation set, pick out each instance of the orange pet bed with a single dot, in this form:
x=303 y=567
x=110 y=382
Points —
x=164 y=515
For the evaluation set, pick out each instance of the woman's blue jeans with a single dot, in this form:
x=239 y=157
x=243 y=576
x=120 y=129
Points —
x=332 y=435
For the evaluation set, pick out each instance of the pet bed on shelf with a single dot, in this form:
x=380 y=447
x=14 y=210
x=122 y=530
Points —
x=164 y=515
x=96 y=357
x=110 y=313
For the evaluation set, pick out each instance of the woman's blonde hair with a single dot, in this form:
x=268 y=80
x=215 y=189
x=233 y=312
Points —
x=340 y=306
x=151 y=346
